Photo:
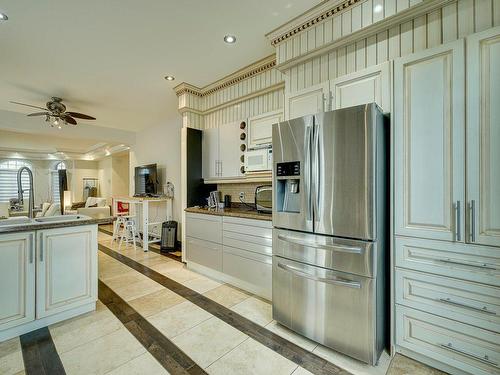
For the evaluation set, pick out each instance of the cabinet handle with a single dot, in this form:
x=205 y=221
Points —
x=484 y=309
x=337 y=280
x=41 y=247
x=481 y=266
x=458 y=235
x=31 y=247
x=473 y=220
x=484 y=359
x=220 y=167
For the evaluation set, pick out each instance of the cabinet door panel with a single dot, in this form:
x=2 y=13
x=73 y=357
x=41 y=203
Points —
x=67 y=269
x=371 y=85
x=17 y=279
x=210 y=153
x=429 y=143
x=260 y=130
x=229 y=149
x=308 y=101
x=483 y=136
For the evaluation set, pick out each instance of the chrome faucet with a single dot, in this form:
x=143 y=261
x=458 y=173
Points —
x=20 y=190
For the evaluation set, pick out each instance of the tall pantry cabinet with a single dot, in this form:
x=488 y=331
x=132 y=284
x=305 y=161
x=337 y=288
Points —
x=447 y=204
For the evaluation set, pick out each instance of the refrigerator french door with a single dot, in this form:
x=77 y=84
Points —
x=330 y=223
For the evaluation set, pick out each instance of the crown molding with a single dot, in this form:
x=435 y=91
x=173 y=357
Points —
x=396 y=19
x=310 y=18
x=251 y=70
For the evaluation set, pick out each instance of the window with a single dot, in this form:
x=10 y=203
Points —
x=8 y=179
x=55 y=181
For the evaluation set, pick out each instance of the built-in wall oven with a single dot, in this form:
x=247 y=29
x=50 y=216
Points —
x=330 y=224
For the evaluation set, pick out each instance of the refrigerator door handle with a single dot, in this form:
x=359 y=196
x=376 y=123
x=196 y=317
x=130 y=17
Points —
x=340 y=248
x=307 y=173
x=336 y=280
x=316 y=173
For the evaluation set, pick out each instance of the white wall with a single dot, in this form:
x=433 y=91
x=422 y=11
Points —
x=161 y=144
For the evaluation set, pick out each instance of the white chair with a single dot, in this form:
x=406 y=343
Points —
x=129 y=232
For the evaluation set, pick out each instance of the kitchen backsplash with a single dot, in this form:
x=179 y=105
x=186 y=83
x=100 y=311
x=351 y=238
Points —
x=234 y=191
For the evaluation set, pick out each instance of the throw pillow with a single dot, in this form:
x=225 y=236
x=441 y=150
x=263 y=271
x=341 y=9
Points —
x=94 y=205
x=77 y=205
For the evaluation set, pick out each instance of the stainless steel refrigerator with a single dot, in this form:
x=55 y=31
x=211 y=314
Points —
x=330 y=194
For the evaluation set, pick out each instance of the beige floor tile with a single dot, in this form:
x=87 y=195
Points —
x=137 y=289
x=179 y=318
x=256 y=310
x=227 y=295
x=289 y=335
x=145 y=364
x=103 y=354
x=153 y=303
x=165 y=267
x=208 y=341
x=402 y=365
x=252 y=358
x=11 y=357
x=202 y=284
x=82 y=329
x=124 y=279
x=351 y=364
x=181 y=275
x=149 y=262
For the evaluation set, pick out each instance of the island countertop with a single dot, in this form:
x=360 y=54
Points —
x=234 y=212
x=26 y=227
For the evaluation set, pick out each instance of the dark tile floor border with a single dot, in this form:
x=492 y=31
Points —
x=173 y=359
x=40 y=356
x=285 y=348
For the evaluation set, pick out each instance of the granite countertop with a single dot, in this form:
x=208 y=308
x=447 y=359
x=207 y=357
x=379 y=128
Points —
x=245 y=213
x=26 y=227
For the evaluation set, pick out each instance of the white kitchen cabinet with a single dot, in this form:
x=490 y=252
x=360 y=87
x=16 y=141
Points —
x=67 y=269
x=210 y=153
x=221 y=151
x=260 y=128
x=483 y=137
x=370 y=85
x=17 y=279
x=307 y=101
x=429 y=132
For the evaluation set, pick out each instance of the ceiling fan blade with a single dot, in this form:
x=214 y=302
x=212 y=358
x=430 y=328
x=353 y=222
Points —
x=66 y=118
x=29 y=105
x=80 y=115
x=39 y=114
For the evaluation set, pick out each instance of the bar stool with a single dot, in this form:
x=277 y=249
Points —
x=129 y=232
x=117 y=225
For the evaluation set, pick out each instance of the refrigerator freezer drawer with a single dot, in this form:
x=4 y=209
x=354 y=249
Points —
x=340 y=254
x=333 y=308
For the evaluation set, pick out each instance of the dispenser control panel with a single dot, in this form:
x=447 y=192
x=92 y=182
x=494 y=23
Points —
x=291 y=168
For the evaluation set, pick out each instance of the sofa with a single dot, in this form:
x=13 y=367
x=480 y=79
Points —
x=93 y=207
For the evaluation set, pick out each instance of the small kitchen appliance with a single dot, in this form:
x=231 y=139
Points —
x=259 y=160
x=264 y=198
x=168 y=236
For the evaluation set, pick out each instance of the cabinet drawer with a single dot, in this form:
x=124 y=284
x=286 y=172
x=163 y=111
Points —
x=468 y=262
x=251 y=268
x=204 y=227
x=259 y=245
x=205 y=253
x=248 y=222
x=459 y=345
x=464 y=301
x=247 y=229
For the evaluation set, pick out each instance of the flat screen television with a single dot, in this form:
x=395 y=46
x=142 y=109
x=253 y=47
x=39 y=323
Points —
x=146 y=180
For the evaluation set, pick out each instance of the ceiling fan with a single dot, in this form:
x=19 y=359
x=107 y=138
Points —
x=55 y=113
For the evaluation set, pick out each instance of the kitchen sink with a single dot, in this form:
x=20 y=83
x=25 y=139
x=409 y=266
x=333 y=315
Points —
x=61 y=218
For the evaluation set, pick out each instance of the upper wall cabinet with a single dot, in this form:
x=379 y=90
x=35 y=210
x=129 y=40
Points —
x=429 y=129
x=371 y=85
x=308 y=101
x=221 y=151
x=483 y=136
x=260 y=128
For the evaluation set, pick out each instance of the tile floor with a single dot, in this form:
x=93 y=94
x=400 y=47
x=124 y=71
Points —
x=99 y=343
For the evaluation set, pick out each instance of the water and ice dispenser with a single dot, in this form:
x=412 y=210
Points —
x=288 y=187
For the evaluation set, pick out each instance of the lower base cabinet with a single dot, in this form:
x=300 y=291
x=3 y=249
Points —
x=234 y=250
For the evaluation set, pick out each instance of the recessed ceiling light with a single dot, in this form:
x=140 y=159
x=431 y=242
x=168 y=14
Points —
x=230 y=39
x=3 y=17
x=169 y=78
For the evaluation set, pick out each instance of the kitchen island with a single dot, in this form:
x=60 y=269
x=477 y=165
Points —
x=48 y=271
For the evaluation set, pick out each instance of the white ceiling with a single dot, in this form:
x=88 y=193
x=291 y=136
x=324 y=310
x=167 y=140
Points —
x=108 y=58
